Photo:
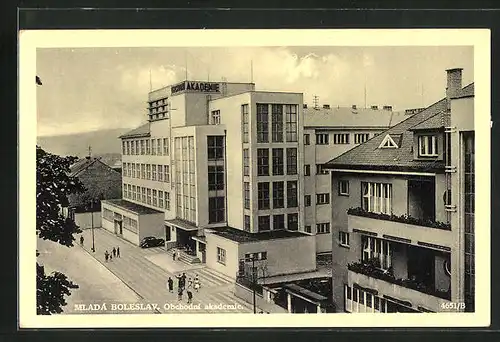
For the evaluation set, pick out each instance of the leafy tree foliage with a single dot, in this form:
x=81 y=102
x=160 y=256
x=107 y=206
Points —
x=52 y=189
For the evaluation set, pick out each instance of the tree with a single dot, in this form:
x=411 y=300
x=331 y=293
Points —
x=53 y=185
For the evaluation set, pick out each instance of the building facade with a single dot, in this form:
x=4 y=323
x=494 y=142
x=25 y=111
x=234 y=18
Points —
x=403 y=212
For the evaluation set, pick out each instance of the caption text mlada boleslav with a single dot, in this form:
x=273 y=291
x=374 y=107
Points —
x=154 y=307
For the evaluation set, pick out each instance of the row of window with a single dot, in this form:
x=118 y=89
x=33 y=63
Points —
x=278 y=162
x=321 y=228
x=278 y=195
x=338 y=138
x=283 y=123
x=127 y=222
x=153 y=147
x=160 y=173
x=185 y=178
x=278 y=222
x=216 y=209
x=153 y=197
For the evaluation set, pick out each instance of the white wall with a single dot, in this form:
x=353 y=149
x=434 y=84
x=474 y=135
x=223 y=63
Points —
x=84 y=220
x=231 y=266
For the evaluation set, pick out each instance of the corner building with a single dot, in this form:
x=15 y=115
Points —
x=217 y=170
x=403 y=212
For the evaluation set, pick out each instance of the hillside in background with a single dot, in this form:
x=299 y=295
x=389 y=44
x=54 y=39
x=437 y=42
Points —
x=103 y=142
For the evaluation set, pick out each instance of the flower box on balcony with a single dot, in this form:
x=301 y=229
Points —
x=370 y=270
x=401 y=219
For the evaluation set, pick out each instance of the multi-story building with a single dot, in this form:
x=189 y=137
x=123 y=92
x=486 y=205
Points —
x=329 y=132
x=403 y=212
x=217 y=169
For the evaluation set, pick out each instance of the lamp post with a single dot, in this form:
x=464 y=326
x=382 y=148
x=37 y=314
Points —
x=92 y=224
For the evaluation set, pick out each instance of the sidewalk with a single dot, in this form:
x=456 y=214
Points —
x=146 y=272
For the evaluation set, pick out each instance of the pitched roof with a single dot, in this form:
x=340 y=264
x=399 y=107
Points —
x=141 y=131
x=368 y=156
x=434 y=122
x=465 y=92
x=80 y=165
x=346 y=117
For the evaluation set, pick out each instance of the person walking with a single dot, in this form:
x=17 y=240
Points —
x=179 y=280
x=196 y=283
x=190 y=283
x=170 y=283
x=81 y=240
x=179 y=294
x=190 y=296
x=110 y=256
x=106 y=255
x=174 y=254
x=118 y=251
x=114 y=251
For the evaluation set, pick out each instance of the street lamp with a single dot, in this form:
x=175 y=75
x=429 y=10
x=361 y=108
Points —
x=92 y=223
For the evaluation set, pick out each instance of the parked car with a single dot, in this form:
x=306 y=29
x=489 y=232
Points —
x=151 y=241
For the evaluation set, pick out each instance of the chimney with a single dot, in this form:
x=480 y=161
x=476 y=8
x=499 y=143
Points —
x=304 y=105
x=353 y=107
x=374 y=107
x=453 y=83
x=389 y=108
x=326 y=106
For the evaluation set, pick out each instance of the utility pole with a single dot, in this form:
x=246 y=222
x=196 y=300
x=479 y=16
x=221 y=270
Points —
x=92 y=219
x=254 y=281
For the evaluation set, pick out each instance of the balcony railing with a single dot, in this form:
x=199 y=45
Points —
x=371 y=269
x=401 y=219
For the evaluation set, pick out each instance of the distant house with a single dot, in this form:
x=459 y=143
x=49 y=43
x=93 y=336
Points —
x=101 y=182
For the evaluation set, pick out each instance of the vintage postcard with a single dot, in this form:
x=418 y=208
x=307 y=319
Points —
x=260 y=178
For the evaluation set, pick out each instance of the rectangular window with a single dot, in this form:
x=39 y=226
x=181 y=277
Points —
x=144 y=199
x=291 y=123
x=291 y=161
x=323 y=228
x=307 y=139
x=124 y=147
x=377 y=249
x=246 y=162
x=155 y=197
x=277 y=122
x=307 y=170
x=149 y=196
x=160 y=147
x=263 y=195
x=137 y=147
x=143 y=150
x=377 y=197
x=307 y=200
x=360 y=138
x=341 y=138
x=322 y=139
x=143 y=171
x=279 y=222
x=343 y=188
x=320 y=169
x=427 y=146
x=165 y=146
x=148 y=171
x=245 y=122
x=221 y=256
x=278 y=162
x=215 y=117
x=307 y=229
x=264 y=223
x=124 y=169
x=132 y=147
x=215 y=147
x=278 y=195
x=134 y=193
x=291 y=194
x=160 y=173
x=153 y=147
x=323 y=198
x=293 y=221
x=262 y=123
x=133 y=170
x=246 y=190
x=128 y=148
x=148 y=150
x=167 y=200
x=166 y=168
x=125 y=191
x=215 y=177
x=344 y=239
x=216 y=211
x=246 y=223
x=153 y=172
x=263 y=162
x=160 y=199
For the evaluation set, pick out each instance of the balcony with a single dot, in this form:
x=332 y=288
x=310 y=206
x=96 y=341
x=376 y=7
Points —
x=405 y=229
x=411 y=292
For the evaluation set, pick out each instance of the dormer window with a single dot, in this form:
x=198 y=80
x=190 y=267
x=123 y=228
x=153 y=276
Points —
x=427 y=146
x=388 y=142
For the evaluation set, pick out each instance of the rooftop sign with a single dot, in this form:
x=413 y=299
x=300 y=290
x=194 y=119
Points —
x=202 y=87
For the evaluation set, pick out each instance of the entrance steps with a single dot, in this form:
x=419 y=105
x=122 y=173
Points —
x=183 y=256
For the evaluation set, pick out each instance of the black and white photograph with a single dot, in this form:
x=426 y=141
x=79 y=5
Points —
x=206 y=178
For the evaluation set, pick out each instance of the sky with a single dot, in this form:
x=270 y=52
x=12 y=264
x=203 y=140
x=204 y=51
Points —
x=87 y=89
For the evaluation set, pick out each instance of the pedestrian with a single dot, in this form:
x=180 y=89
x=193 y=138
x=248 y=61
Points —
x=174 y=254
x=170 y=285
x=190 y=283
x=179 y=281
x=81 y=240
x=179 y=294
x=110 y=256
x=106 y=255
x=190 y=296
x=183 y=280
x=196 y=284
x=118 y=251
x=114 y=251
